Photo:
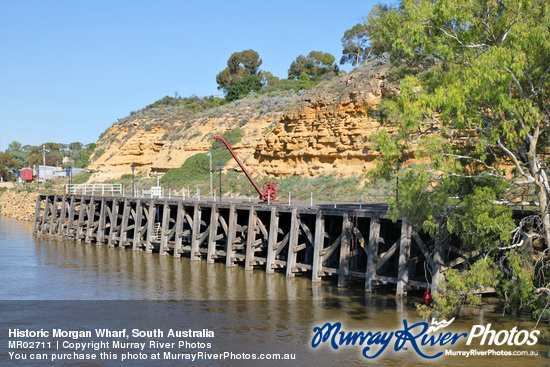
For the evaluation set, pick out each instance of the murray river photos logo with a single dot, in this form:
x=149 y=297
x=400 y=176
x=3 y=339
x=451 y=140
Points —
x=418 y=337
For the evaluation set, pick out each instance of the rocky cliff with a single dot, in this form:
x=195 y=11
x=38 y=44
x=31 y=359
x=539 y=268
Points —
x=18 y=205
x=328 y=130
x=323 y=131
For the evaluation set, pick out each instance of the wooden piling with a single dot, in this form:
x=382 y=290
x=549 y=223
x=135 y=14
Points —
x=45 y=215
x=165 y=228
x=151 y=221
x=113 y=222
x=100 y=239
x=91 y=218
x=289 y=238
x=272 y=240
x=62 y=215
x=70 y=219
x=293 y=243
x=180 y=215
x=126 y=209
x=437 y=261
x=344 y=270
x=231 y=231
x=79 y=232
x=37 y=217
x=372 y=252
x=213 y=230
x=319 y=241
x=52 y=227
x=404 y=255
x=250 y=238
x=138 y=228
x=195 y=233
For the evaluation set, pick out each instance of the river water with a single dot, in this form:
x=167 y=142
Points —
x=49 y=284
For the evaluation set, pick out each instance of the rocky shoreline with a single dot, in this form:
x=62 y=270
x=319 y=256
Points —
x=18 y=205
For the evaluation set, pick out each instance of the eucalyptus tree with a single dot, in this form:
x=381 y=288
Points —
x=358 y=45
x=315 y=64
x=239 y=65
x=474 y=94
x=473 y=108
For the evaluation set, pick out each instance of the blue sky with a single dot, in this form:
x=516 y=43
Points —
x=70 y=69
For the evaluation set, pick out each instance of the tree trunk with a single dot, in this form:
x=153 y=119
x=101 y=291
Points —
x=543 y=210
x=546 y=224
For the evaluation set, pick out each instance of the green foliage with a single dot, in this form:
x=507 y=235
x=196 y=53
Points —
x=207 y=103
x=164 y=102
x=54 y=153
x=323 y=186
x=473 y=95
x=365 y=40
x=8 y=165
x=178 y=106
x=355 y=45
x=479 y=222
x=459 y=289
x=517 y=289
x=15 y=150
x=241 y=88
x=15 y=146
x=192 y=103
x=473 y=105
x=81 y=178
x=315 y=65
x=466 y=208
x=75 y=146
x=248 y=60
x=239 y=65
x=83 y=159
x=290 y=84
x=197 y=167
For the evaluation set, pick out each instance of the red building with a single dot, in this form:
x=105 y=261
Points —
x=27 y=174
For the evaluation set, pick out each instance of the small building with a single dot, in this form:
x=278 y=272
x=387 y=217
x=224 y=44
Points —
x=45 y=173
x=27 y=174
x=62 y=172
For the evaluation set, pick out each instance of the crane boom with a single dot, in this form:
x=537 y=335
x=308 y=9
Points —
x=268 y=193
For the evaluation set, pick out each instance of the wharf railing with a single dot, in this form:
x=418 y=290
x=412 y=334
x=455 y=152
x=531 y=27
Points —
x=94 y=189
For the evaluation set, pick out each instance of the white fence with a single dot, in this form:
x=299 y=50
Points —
x=94 y=189
x=159 y=192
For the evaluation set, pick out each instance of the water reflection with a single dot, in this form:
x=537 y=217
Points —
x=248 y=308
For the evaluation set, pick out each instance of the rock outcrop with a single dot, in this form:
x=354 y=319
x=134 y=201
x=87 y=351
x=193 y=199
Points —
x=328 y=132
x=324 y=131
x=18 y=205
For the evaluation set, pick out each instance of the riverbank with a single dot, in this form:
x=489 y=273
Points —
x=18 y=205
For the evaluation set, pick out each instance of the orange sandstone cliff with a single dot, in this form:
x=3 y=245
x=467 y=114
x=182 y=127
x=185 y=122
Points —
x=323 y=131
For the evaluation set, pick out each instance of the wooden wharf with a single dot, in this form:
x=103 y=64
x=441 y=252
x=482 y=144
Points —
x=348 y=243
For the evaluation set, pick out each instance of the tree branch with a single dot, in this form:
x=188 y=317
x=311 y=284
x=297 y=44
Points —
x=516 y=82
x=530 y=178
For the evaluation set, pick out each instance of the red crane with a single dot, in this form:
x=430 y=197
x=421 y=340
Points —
x=269 y=192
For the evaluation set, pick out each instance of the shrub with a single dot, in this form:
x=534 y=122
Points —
x=197 y=167
x=241 y=88
x=458 y=288
x=81 y=178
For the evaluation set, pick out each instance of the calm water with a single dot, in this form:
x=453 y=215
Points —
x=50 y=284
